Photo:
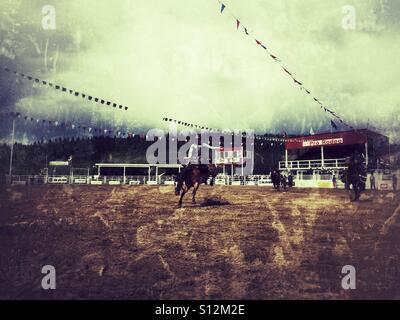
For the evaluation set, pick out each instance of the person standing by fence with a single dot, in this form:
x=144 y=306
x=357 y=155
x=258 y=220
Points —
x=334 y=181
x=394 y=181
x=372 y=181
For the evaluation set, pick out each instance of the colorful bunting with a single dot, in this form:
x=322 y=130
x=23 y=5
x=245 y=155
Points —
x=256 y=137
x=275 y=58
x=62 y=89
x=62 y=124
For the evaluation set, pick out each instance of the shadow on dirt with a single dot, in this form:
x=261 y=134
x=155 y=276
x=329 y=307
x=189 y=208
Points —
x=209 y=202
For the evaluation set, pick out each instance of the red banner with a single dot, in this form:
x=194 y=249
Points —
x=327 y=139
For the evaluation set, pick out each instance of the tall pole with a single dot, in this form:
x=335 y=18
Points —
x=286 y=159
x=322 y=157
x=12 y=148
x=242 y=161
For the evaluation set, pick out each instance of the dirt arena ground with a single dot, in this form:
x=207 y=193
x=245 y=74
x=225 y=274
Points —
x=131 y=242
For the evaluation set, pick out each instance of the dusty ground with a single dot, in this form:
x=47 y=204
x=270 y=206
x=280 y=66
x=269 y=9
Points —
x=237 y=243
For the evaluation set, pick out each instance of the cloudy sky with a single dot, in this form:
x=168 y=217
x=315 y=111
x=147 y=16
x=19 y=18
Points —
x=184 y=59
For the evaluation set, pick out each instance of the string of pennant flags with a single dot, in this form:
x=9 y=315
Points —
x=197 y=126
x=284 y=137
x=71 y=125
x=95 y=131
x=66 y=90
x=274 y=57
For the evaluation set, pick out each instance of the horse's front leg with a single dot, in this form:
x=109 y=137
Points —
x=195 y=187
x=184 y=190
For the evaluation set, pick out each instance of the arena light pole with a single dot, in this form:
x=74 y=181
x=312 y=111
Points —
x=12 y=149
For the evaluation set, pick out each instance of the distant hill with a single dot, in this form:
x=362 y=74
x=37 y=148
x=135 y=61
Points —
x=30 y=159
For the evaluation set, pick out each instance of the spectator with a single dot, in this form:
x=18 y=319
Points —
x=372 y=181
x=394 y=180
x=290 y=180
x=334 y=181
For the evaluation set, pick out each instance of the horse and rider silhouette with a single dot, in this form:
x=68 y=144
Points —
x=355 y=175
x=279 y=180
x=194 y=174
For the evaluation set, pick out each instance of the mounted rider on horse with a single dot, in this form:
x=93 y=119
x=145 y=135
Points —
x=355 y=175
x=194 y=173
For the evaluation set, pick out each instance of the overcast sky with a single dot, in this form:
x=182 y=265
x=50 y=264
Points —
x=184 y=59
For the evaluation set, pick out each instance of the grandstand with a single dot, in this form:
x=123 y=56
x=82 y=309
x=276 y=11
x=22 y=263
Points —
x=315 y=159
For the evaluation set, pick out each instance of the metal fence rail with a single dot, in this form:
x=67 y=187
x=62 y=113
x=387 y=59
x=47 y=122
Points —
x=313 y=164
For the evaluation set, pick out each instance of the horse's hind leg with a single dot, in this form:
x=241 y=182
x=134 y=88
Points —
x=212 y=182
x=195 y=187
x=181 y=198
x=357 y=191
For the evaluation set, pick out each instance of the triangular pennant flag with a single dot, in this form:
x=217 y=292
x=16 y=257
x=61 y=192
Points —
x=222 y=7
x=245 y=30
x=287 y=71
x=274 y=57
x=297 y=82
x=237 y=24
x=259 y=43
x=333 y=124
x=308 y=91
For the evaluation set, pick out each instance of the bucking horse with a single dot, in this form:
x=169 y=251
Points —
x=193 y=176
